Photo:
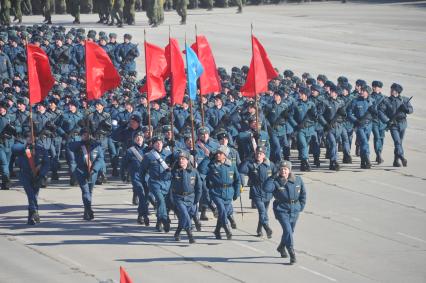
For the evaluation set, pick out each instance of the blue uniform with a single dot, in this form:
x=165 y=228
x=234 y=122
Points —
x=289 y=201
x=6 y=142
x=186 y=186
x=70 y=131
x=31 y=177
x=6 y=67
x=125 y=54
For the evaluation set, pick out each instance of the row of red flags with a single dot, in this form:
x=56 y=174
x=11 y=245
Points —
x=101 y=75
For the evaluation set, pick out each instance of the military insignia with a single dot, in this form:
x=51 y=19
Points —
x=281 y=189
x=192 y=181
x=269 y=173
x=231 y=175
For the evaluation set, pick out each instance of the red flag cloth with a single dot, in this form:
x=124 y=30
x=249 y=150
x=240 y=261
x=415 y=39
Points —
x=156 y=70
x=175 y=71
x=40 y=79
x=260 y=73
x=209 y=80
x=101 y=74
x=124 y=277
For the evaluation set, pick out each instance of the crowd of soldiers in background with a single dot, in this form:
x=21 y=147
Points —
x=311 y=114
x=116 y=12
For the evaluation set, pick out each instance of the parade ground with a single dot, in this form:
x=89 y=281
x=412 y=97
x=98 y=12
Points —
x=357 y=226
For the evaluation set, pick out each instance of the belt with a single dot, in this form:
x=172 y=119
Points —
x=183 y=193
x=292 y=201
x=223 y=187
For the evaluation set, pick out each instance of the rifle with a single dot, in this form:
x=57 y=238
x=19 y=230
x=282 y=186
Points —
x=392 y=121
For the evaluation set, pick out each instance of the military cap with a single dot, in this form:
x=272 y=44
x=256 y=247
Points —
x=296 y=79
x=128 y=36
x=100 y=102
x=366 y=88
x=186 y=99
x=69 y=36
x=136 y=117
x=377 y=84
x=310 y=81
x=81 y=30
x=306 y=75
x=91 y=36
x=315 y=87
x=59 y=37
x=329 y=84
x=261 y=149
x=42 y=103
x=285 y=164
x=222 y=134
x=156 y=138
x=166 y=128
x=305 y=90
x=203 y=130
x=92 y=31
x=22 y=100
x=103 y=37
x=288 y=73
x=396 y=87
x=360 y=82
x=53 y=100
x=81 y=36
x=322 y=78
x=37 y=38
x=342 y=79
x=112 y=35
x=14 y=38
x=138 y=134
x=73 y=102
x=251 y=119
x=333 y=88
x=184 y=154
x=223 y=149
x=146 y=129
x=3 y=104
x=245 y=69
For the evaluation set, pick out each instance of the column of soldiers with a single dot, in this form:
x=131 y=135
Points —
x=169 y=166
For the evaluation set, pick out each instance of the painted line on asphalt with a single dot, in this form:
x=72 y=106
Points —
x=397 y=188
x=317 y=273
x=70 y=260
x=248 y=247
x=411 y=237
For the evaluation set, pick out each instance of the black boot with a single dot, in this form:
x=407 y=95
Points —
x=190 y=236
x=146 y=221
x=347 y=159
x=203 y=216
x=334 y=166
x=357 y=150
x=140 y=219
x=166 y=224
x=115 y=172
x=363 y=166
x=43 y=182
x=304 y=166
x=281 y=250
x=317 y=162
x=217 y=232
x=292 y=255
x=396 y=162
x=404 y=161
x=228 y=232
x=379 y=159
x=31 y=219
x=177 y=234
x=159 y=226
x=232 y=221
x=135 y=199
x=55 y=176
x=36 y=217
x=86 y=214
x=72 y=180
x=268 y=230
x=5 y=185
x=197 y=223
x=259 y=232
x=367 y=163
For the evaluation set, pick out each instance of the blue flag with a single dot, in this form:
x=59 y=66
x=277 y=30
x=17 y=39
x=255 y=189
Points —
x=194 y=69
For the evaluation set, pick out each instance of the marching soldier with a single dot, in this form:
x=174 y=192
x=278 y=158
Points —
x=89 y=158
x=33 y=162
x=7 y=133
x=258 y=171
x=126 y=53
x=378 y=127
x=289 y=200
x=185 y=190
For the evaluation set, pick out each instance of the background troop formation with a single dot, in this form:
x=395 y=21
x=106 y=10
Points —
x=237 y=141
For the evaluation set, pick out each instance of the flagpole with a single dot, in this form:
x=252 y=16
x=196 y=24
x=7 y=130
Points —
x=31 y=108
x=147 y=87
x=255 y=94
x=190 y=105
x=171 y=93
x=201 y=102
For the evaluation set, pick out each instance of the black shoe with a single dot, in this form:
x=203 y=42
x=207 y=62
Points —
x=347 y=159
x=43 y=182
x=268 y=230
x=240 y=10
x=76 y=21
x=120 y=25
x=228 y=232
x=5 y=185
x=357 y=150
x=292 y=255
x=111 y=24
x=197 y=224
x=166 y=224
x=203 y=216
x=49 y=22
x=281 y=250
x=396 y=162
x=334 y=166
x=232 y=222
x=146 y=221
x=115 y=172
x=190 y=236
x=217 y=232
x=304 y=166
x=159 y=226
x=177 y=234
x=404 y=161
x=31 y=220
x=317 y=162
x=36 y=217
x=140 y=219
x=379 y=159
x=135 y=199
x=367 y=163
x=86 y=215
x=363 y=166
x=55 y=176
x=259 y=232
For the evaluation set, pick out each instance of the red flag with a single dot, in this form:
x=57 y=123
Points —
x=40 y=79
x=124 y=277
x=260 y=72
x=156 y=70
x=176 y=71
x=209 y=80
x=101 y=74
